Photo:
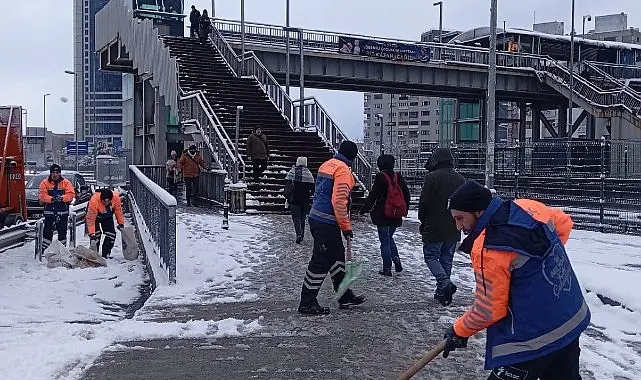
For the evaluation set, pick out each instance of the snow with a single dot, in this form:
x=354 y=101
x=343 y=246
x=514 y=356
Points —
x=209 y=257
x=158 y=191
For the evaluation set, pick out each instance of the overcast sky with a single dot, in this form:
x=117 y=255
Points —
x=37 y=39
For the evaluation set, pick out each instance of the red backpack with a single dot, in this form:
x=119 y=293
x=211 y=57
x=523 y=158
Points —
x=395 y=206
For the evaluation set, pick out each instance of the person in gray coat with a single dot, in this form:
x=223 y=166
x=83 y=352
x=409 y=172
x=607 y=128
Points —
x=438 y=229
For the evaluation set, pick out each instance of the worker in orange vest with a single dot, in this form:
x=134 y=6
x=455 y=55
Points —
x=101 y=210
x=56 y=193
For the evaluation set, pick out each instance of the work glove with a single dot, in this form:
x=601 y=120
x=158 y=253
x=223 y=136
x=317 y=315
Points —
x=57 y=198
x=453 y=342
x=120 y=227
x=348 y=234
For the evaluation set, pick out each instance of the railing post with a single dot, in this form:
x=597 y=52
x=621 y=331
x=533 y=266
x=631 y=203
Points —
x=225 y=225
x=602 y=192
x=517 y=160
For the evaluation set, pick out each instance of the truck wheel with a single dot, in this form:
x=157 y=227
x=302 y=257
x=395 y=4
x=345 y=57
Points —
x=12 y=219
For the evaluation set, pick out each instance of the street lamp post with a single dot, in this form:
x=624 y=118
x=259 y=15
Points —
x=439 y=4
x=75 y=129
x=44 y=127
x=491 y=102
x=287 y=70
x=570 y=124
x=242 y=37
x=379 y=116
x=589 y=18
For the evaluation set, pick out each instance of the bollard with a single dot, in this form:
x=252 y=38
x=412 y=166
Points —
x=226 y=208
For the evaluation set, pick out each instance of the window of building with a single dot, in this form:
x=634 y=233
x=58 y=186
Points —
x=414 y=115
x=403 y=97
x=369 y=116
x=391 y=114
x=439 y=112
x=425 y=122
x=436 y=122
x=403 y=123
x=425 y=133
x=379 y=124
x=378 y=96
x=413 y=104
x=437 y=129
x=367 y=97
x=425 y=113
x=403 y=104
x=403 y=114
x=426 y=103
x=379 y=106
x=413 y=122
x=437 y=103
x=401 y=133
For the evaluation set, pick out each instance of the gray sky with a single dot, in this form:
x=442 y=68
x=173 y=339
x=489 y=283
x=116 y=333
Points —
x=37 y=39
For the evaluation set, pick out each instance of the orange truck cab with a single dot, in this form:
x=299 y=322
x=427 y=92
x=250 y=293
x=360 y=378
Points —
x=13 y=206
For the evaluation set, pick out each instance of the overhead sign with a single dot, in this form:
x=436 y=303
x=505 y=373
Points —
x=383 y=49
x=82 y=148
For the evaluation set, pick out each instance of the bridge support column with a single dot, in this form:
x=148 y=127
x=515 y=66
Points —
x=590 y=128
x=536 y=123
x=562 y=122
x=522 y=121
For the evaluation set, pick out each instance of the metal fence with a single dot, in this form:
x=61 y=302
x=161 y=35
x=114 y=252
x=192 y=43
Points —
x=158 y=210
x=601 y=188
x=156 y=173
x=211 y=185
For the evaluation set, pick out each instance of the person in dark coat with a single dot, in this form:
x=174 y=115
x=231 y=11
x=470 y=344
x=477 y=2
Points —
x=299 y=189
x=438 y=229
x=204 y=27
x=258 y=152
x=375 y=204
x=194 y=20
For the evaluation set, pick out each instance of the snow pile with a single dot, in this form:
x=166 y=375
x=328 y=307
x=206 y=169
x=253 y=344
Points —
x=212 y=260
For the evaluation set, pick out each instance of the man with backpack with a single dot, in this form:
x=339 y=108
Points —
x=388 y=202
x=299 y=188
x=438 y=229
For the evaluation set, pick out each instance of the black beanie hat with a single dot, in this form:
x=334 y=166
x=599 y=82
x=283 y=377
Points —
x=470 y=197
x=106 y=194
x=55 y=168
x=348 y=149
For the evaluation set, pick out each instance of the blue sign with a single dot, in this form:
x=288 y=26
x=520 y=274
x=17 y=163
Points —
x=82 y=148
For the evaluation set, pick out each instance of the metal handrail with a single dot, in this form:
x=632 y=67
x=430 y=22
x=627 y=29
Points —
x=318 y=40
x=618 y=70
x=620 y=85
x=229 y=55
x=212 y=131
x=333 y=136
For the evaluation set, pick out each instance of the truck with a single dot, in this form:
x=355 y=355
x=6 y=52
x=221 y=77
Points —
x=13 y=206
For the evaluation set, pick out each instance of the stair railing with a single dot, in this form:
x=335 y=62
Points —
x=317 y=117
x=614 y=82
x=590 y=92
x=618 y=71
x=195 y=109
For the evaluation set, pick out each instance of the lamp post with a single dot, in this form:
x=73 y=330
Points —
x=439 y=4
x=570 y=124
x=589 y=18
x=213 y=8
x=491 y=101
x=44 y=127
x=242 y=37
x=75 y=129
x=239 y=109
x=379 y=116
x=504 y=35
x=287 y=69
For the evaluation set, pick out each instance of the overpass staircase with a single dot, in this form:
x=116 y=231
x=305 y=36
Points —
x=212 y=91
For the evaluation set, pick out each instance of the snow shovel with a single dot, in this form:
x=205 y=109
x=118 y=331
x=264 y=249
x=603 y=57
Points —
x=352 y=271
x=427 y=357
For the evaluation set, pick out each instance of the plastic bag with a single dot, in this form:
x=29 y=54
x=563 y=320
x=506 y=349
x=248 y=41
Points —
x=88 y=258
x=58 y=256
x=129 y=243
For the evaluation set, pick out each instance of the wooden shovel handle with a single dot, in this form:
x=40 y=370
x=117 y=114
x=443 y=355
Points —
x=427 y=357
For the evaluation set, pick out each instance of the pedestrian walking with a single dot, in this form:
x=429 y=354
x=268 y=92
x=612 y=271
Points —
x=190 y=164
x=527 y=295
x=299 y=189
x=194 y=21
x=102 y=208
x=205 y=27
x=328 y=219
x=258 y=152
x=56 y=194
x=438 y=230
x=388 y=202
x=171 y=169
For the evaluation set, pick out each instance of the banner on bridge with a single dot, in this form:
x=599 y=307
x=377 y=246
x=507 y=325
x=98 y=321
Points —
x=383 y=49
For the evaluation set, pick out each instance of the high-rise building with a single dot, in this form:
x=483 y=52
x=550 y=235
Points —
x=98 y=94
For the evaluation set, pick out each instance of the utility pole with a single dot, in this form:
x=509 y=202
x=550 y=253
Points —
x=288 y=68
x=491 y=101
x=379 y=116
x=213 y=8
x=570 y=124
x=44 y=127
x=242 y=37
x=302 y=79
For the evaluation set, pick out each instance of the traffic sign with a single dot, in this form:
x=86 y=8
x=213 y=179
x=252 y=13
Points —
x=81 y=146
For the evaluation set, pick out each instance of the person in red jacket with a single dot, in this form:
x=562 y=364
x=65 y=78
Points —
x=101 y=210
x=56 y=193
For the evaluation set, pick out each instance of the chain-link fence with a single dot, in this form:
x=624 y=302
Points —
x=597 y=182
